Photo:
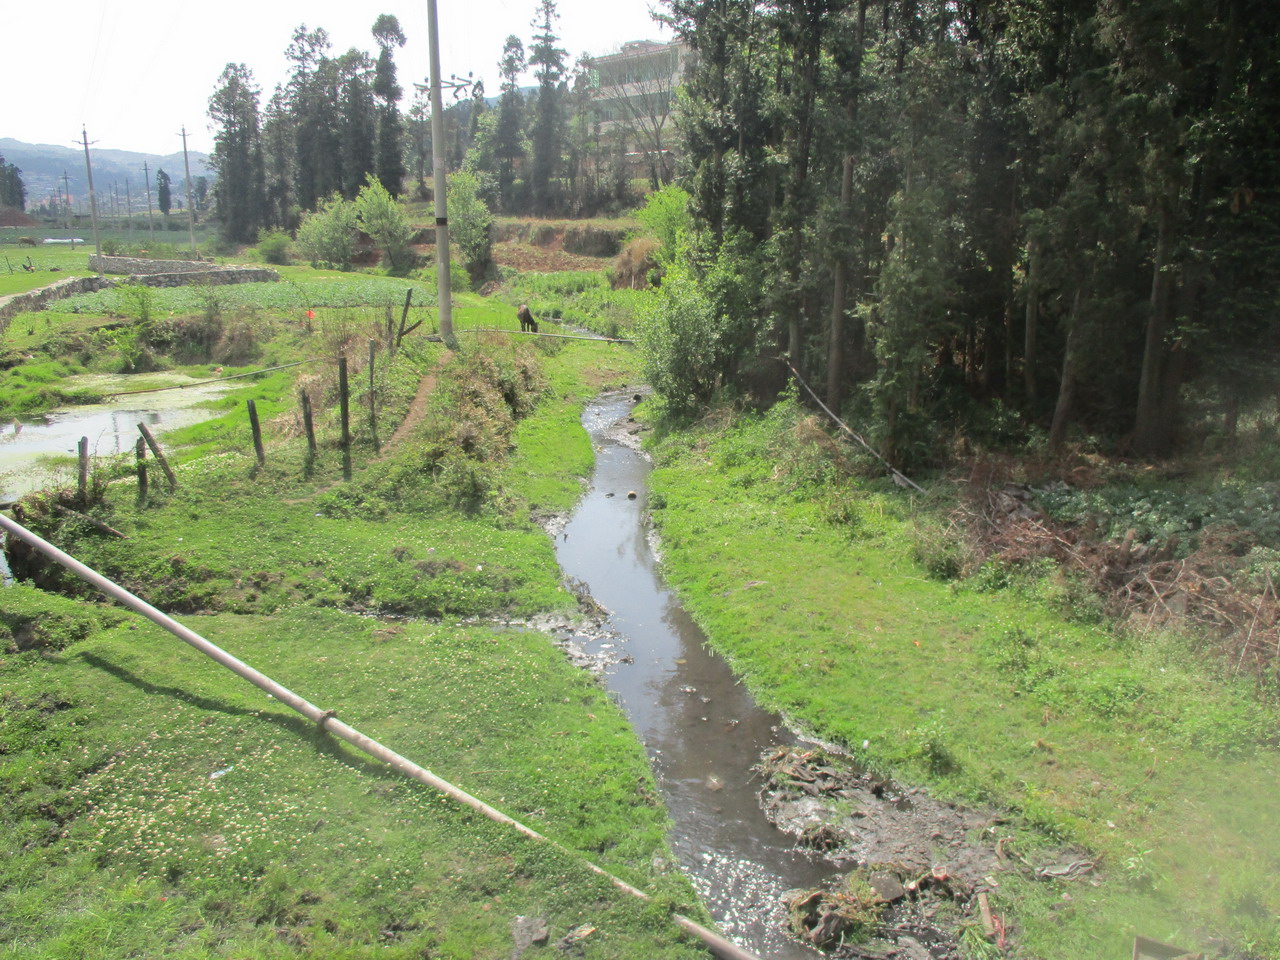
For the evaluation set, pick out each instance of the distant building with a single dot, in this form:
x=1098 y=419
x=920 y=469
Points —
x=634 y=96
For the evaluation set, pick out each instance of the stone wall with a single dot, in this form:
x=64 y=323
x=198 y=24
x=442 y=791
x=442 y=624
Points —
x=134 y=266
x=218 y=277
x=11 y=306
x=208 y=273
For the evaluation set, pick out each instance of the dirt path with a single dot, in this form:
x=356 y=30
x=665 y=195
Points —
x=418 y=408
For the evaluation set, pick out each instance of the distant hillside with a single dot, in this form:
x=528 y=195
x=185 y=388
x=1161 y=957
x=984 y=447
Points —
x=42 y=166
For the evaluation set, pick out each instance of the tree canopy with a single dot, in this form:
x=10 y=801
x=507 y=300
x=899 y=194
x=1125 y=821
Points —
x=1028 y=205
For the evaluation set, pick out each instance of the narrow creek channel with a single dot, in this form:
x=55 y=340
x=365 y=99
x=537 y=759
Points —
x=702 y=730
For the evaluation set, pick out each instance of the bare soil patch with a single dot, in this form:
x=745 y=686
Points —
x=11 y=217
x=524 y=256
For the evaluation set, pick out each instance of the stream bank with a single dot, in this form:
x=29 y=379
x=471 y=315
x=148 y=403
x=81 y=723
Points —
x=754 y=828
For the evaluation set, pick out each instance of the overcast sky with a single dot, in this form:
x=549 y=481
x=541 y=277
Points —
x=135 y=72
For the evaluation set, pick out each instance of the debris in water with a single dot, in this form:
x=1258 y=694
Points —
x=631 y=494
x=1065 y=871
x=714 y=783
x=826 y=918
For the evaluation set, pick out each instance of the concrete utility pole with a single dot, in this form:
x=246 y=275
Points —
x=146 y=176
x=191 y=210
x=128 y=206
x=66 y=197
x=93 y=197
x=440 y=182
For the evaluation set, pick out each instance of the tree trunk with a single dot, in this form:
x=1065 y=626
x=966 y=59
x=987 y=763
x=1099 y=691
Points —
x=1029 y=346
x=1067 y=386
x=835 y=355
x=1146 y=430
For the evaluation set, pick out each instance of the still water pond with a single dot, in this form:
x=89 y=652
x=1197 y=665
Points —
x=30 y=447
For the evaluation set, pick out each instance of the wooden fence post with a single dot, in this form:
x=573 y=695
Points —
x=159 y=455
x=257 y=433
x=141 y=449
x=82 y=487
x=345 y=403
x=307 y=423
x=373 y=412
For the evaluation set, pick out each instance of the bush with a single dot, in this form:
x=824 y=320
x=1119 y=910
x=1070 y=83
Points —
x=698 y=329
x=470 y=222
x=666 y=215
x=274 y=247
x=329 y=234
x=635 y=264
x=384 y=220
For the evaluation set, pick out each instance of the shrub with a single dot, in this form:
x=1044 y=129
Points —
x=470 y=222
x=384 y=220
x=634 y=265
x=274 y=247
x=666 y=215
x=329 y=234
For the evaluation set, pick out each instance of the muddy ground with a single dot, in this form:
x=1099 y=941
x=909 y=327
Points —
x=920 y=871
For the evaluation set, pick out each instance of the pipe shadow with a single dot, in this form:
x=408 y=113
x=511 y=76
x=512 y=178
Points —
x=299 y=726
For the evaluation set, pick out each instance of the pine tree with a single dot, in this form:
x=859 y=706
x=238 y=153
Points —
x=390 y=163
x=237 y=154
x=509 y=142
x=164 y=191
x=358 y=134
x=547 y=59
x=314 y=98
x=13 y=192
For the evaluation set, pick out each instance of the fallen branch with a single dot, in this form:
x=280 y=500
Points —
x=89 y=520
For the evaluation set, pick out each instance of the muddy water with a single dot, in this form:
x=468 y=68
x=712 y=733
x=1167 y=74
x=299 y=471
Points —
x=28 y=444
x=112 y=428
x=702 y=730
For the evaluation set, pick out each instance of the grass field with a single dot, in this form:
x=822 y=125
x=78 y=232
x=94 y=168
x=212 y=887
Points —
x=1131 y=748
x=154 y=804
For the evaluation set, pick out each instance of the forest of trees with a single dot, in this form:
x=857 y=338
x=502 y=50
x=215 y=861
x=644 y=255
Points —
x=337 y=120
x=1059 y=210
x=1059 y=214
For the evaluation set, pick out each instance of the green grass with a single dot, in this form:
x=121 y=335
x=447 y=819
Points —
x=51 y=263
x=158 y=805
x=155 y=805
x=1131 y=748
x=580 y=297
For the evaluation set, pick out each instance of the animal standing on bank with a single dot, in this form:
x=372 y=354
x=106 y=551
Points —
x=527 y=323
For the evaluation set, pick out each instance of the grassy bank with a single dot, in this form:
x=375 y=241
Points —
x=154 y=804
x=1128 y=749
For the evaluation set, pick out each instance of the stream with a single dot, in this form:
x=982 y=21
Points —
x=701 y=728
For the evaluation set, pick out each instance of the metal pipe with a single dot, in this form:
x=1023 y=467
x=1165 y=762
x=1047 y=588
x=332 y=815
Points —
x=327 y=720
x=559 y=336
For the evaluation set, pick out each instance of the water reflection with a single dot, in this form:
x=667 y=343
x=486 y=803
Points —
x=701 y=728
x=28 y=444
